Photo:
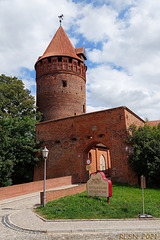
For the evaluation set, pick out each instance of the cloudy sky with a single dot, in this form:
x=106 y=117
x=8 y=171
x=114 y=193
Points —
x=121 y=38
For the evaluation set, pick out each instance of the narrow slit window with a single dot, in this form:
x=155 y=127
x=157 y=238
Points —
x=64 y=83
x=84 y=109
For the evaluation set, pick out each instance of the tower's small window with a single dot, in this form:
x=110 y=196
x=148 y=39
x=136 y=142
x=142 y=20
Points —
x=65 y=64
x=64 y=83
x=84 y=109
x=70 y=60
x=59 y=59
x=49 y=60
x=59 y=63
x=74 y=66
x=54 y=64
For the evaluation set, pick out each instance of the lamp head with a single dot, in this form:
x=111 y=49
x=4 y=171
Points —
x=45 y=152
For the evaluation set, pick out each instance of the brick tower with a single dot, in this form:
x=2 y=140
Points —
x=61 y=79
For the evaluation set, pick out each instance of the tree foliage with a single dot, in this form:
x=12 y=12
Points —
x=146 y=158
x=18 y=117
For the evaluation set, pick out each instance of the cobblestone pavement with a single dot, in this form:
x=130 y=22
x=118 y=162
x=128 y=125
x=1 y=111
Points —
x=8 y=234
x=18 y=208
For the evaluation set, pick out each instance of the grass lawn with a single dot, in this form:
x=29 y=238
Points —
x=126 y=202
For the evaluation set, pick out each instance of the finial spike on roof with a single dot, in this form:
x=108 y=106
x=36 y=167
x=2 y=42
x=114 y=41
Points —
x=60 y=18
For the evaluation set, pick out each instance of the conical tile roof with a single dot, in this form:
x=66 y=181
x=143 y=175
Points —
x=60 y=45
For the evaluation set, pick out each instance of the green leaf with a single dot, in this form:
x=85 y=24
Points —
x=18 y=146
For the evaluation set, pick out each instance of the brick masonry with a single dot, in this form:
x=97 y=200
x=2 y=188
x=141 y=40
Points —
x=70 y=139
x=27 y=188
x=61 y=89
x=55 y=194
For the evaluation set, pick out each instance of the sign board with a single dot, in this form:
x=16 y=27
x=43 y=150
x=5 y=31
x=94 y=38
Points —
x=98 y=185
x=88 y=167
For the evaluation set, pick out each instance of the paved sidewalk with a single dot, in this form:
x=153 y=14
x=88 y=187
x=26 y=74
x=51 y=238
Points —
x=17 y=216
x=27 y=219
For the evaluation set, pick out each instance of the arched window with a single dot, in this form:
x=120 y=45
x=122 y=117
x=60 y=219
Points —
x=90 y=156
x=102 y=163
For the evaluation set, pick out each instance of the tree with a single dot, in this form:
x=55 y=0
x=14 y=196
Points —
x=18 y=117
x=146 y=158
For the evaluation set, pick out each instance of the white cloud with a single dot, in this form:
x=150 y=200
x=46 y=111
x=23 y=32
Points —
x=124 y=70
x=112 y=88
x=26 y=29
x=136 y=50
x=98 y=23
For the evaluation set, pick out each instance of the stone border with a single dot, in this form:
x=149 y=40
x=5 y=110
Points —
x=6 y=222
x=95 y=220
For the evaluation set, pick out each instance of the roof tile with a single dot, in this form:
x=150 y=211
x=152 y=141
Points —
x=60 y=45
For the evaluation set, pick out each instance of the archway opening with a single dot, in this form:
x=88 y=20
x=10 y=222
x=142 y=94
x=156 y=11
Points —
x=100 y=159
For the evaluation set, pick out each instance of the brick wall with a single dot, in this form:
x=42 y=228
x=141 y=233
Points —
x=55 y=194
x=132 y=118
x=37 y=186
x=69 y=141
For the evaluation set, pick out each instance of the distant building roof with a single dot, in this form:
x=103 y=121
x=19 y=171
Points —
x=153 y=123
x=60 y=45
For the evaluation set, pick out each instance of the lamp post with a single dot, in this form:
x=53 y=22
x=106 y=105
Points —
x=45 y=152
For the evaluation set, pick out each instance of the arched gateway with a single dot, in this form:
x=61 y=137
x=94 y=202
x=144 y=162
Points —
x=99 y=156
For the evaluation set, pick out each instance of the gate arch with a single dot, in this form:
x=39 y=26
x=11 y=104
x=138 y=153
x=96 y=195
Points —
x=100 y=158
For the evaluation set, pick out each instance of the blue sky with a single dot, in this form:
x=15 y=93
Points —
x=121 y=38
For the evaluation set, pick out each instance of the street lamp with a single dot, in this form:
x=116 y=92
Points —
x=45 y=152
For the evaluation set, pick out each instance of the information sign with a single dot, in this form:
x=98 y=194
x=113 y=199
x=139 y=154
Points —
x=88 y=167
x=99 y=185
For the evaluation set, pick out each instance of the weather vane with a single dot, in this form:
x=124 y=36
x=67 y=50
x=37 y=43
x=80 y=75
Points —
x=61 y=18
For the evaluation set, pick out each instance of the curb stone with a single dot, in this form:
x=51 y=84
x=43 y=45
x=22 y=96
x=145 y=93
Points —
x=6 y=222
